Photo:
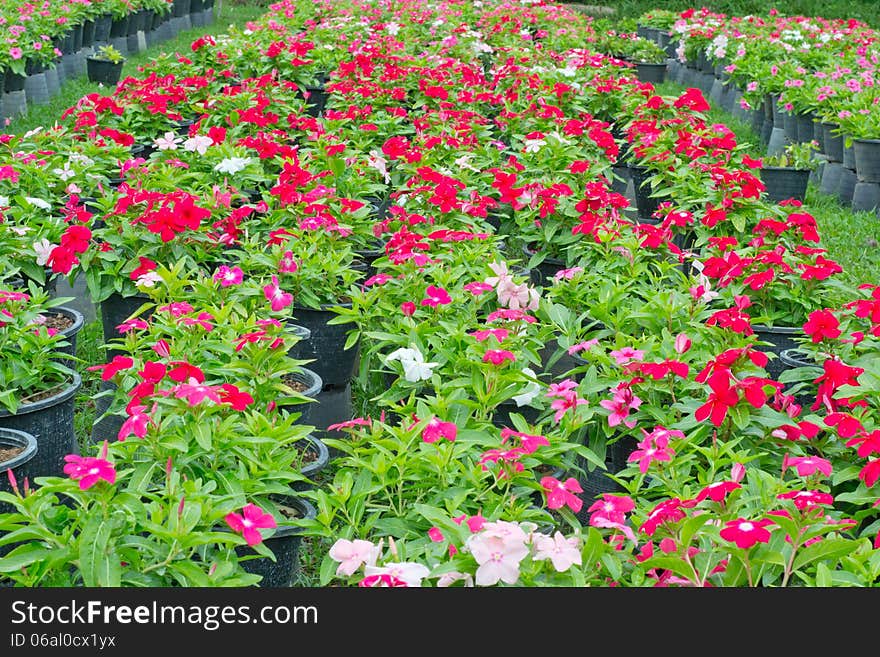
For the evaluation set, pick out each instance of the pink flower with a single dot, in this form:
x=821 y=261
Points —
x=16 y=53
x=808 y=465
x=88 y=470
x=352 y=554
x=499 y=334
x=517 y=297
x=132 y=325
x=654 y=447
x=436 y=429
x=620 y=406
x=528 y=442
x=807 y=499
x=582 y=346
x=411 y=574
x=287 y=265
x=382 y=581
x=436 y=296
x=568 y=274
x=562 y=552
x=112 y=368
x=203 y=319
x=498 y=356
x=195 y=393
x=227 y=276
x=436 y=535
x=136 y=423
x=737 y=472
x=561 y=494
x=627 y=355
x=279 y=298
x=745 y=533
x=565 y=402
x=249 y=522
x=477 y=288
x=612 y=507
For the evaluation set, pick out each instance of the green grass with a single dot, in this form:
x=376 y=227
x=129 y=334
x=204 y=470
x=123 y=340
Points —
x=73 y=90
x=89 y=350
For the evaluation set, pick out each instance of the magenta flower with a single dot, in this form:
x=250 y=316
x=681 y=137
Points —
x=287 y=264
x=382 y=581
x=564 y=403
x=136 y=423
x=682 y=343
x=528 y=442
x=436 y=429
x=408 y=308
x=582 y=346
x=499 y=334
x=16 y=53
x=227 y=276
x=203 y=319
x=807 y=499
x=808 y=465
x=498 y=356
x=627 y=355
x=654 y=447
x=561 y=494
x=88 y=470
x=249 y=523
x=561 y=389
x=195 y=393
x=477 y=288
x=745 y=533
x=436 y=296
x=278 y=298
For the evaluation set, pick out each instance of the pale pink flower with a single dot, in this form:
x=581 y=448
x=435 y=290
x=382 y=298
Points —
x=682 y=343
x=501 y=274
x=498 y=558
x=568 y=274
x=167 y=142
x=563 y=552
x=582 y=346
x=351 y=555
x=627 y=355
x=448 y=579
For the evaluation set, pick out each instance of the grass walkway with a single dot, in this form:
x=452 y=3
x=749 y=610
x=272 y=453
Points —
x=850 y=237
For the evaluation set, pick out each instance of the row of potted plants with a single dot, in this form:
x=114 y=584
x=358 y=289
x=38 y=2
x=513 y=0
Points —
x=559 y=392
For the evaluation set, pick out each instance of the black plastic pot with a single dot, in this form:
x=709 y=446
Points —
x=181 y=8
x=50 y=421
x=115 y=310
x=805 y=128
x=11 y=439
x=103 y=71
x=833 y=142
x=847 y=186
x=76 y=35
x=501 y=415
x=134 y=24
x=849 y=155
x=653 y=73
x=196 y=6
x=70 y=332
x=285 y=545
x=88 y=34
x=867 y=155
x=315 y=100
x=321 y=458
x=301 y=332
x=34 y=67
x=646 y=204
x=781 y=338
x=542 y=274
x=785 y=182
x=369 y=256
x=314 y=385
x=119 y=27
x=597 y=482
x=330 y=360
x=102 y=28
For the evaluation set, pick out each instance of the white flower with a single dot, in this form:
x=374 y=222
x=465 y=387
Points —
x=73 y=188
x=66 y=173
x=4 y=201
x=531 y=390
x=38 y=203
x=414 y=366
x=43 y=249
x=534 y=145
x=392 y=28
x=167 y=142
x=464 y=162
x=232 y=165
x=31 y=133
x=379 y=163
x=20 y=230
x=198 y=144
x=148 y=280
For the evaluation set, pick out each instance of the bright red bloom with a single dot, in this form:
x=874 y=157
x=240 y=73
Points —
x=230 y=394
x=717 y=491
x=870 y=473
x=692 y=99
x=722 y=398
x=146 y=265
x=822 y=325
x=745 y=533
x=835 y=375
x=807 y=499
x=109 y=370
x=181 y=372
x=670 y=510
x=561 y=494
x=248 y=523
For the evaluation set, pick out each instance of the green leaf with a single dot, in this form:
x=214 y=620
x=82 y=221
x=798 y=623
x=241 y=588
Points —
x=23 y=556
x=823 y=576
x=98 y=560
x=829 y=548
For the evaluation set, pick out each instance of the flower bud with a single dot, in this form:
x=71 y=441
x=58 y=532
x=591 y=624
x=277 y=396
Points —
x=682 y=343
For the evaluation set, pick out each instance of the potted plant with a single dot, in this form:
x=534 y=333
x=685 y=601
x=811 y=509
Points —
x=787 y=174
x=37 y=388
x=105 y=66
x=650 y=61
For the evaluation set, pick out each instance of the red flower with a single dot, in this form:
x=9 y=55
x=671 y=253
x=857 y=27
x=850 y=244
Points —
x=722 y=397
x=870 y=473
x=437 y=429
x=717 y=491
x=146 y=265
x=822 y=325
x=109 y=370
x=498 y=356
x=230 y=394
x=181 y=372
x=692 y=99
x=745 y=533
